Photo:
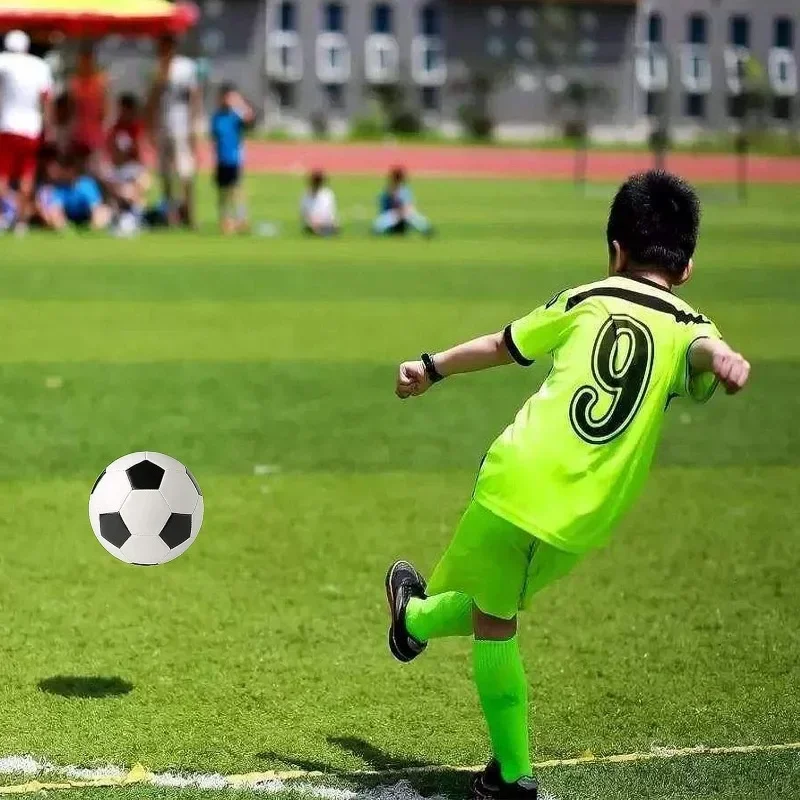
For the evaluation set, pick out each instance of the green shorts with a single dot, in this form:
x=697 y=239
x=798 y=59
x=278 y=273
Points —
x=497 y=564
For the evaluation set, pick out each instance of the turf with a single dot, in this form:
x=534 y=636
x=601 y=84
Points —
x=267 y=365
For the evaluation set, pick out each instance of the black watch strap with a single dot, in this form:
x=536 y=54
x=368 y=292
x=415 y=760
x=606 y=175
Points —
x=434 y=376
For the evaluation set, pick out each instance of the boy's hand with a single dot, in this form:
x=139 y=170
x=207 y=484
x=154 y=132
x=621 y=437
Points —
x=732 y=370
x=412 y=380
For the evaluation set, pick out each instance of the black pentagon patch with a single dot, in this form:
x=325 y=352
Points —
x=177 y=530
x=113 y=529
x=196 y=484
x=145 y=475
x=99 y=478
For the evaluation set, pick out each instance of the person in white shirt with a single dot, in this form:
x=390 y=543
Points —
x=176 y=109
x=26 y=84
x=318 y=207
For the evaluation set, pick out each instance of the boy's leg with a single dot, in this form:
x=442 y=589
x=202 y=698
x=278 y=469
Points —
x=386 y=222
x=419 y=222
x=503 y=692
x=439 y=616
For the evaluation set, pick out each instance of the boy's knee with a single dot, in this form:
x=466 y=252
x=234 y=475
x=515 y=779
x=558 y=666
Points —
x=492 y=628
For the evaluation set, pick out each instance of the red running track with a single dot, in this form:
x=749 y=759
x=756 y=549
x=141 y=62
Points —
x=372 y=159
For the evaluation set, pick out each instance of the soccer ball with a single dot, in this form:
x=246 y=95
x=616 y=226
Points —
x=146 y=509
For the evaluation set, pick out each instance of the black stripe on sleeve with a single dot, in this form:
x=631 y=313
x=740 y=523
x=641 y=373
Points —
x=512 y=348
x=646 y=300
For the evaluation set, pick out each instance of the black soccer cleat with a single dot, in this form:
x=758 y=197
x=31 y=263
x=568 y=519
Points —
x=489 y=785
x=402 y=583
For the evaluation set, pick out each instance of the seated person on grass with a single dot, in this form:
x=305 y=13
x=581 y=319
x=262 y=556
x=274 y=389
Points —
x=75 y=198
x=318 y=207
x=128 y=180
x=396 y=211
x=47 y=212
x=228 y=124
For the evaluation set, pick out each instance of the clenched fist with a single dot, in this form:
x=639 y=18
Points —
x=412 y=380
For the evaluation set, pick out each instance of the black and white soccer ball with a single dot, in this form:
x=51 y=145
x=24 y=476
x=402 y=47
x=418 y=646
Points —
x=146 y=509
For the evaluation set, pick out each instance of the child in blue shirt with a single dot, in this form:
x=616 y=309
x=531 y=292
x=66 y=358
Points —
x=228 y=125
x=396 y=211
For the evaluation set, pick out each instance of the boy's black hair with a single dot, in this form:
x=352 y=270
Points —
x=226 y=87
x=316 y=179
x=128 y=101
x=655 y=217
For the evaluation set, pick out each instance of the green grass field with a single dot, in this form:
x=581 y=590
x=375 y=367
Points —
x=267 y=365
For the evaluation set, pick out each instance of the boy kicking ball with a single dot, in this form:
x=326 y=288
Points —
x=557 y=480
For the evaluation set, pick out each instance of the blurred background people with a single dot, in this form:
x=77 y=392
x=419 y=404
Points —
x=127 y=177
x=60 y=133
x=175 y=111
x=77 y=196
x=396 y=211
x=26 y=85
x=228 y=125
x=318 y=206
x=48 y=213
x=90 y=109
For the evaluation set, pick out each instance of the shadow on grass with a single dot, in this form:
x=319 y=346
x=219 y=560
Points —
x=425 y=777
x=85 y=686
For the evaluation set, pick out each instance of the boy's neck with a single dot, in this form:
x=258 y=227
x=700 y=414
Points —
x=649 y=275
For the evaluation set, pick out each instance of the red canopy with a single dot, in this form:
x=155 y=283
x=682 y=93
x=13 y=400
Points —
x=97 y=18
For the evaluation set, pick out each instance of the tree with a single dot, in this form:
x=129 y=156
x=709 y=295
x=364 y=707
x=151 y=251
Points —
x=573 y=93
x=753 y=102
x=475 y=87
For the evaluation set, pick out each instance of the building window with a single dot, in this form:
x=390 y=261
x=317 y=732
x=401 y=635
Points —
x=334 y=92
x=428 y=64
x=735 y=58
x=381 y=58
x=284 y=50
x=698 y=29
x=333 y=58
x=696 y=106
x=784 y=33
x=286 y=16
x=655 y=28
x=736 y=106
x=431 y=20
x=431 y=98
x=740 y=31
x=782 y=108
x=652 y=68
x=382 y=18
x=696 y=69
x=333 y=18
x=284 y=96
x=654 y=104
x=782 y=71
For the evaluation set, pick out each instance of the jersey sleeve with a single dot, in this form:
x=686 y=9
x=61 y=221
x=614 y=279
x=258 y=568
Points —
x=699 y=387
x=539 y=332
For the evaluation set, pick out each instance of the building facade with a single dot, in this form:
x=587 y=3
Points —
x=303 y=61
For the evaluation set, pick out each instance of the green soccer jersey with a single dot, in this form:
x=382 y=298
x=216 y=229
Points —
x=577 y=453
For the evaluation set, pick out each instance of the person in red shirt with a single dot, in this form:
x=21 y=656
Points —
x=128 y=179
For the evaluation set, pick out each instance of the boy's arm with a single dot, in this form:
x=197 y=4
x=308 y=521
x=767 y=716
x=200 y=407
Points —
x=244 y=110
x=482 y=353
x=712 y=355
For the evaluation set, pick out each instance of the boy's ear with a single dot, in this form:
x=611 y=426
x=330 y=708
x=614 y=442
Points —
x=687 y=273
x=618 y=261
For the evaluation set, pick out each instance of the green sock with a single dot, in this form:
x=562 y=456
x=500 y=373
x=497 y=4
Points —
x=446 y=614
x=503 y=691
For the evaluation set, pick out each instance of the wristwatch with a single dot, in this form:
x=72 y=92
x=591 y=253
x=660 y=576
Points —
x=434 y=376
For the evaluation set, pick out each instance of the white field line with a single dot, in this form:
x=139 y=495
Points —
x=275 y=782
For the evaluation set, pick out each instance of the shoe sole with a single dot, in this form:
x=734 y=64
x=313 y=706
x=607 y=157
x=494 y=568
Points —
x=390 y=599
